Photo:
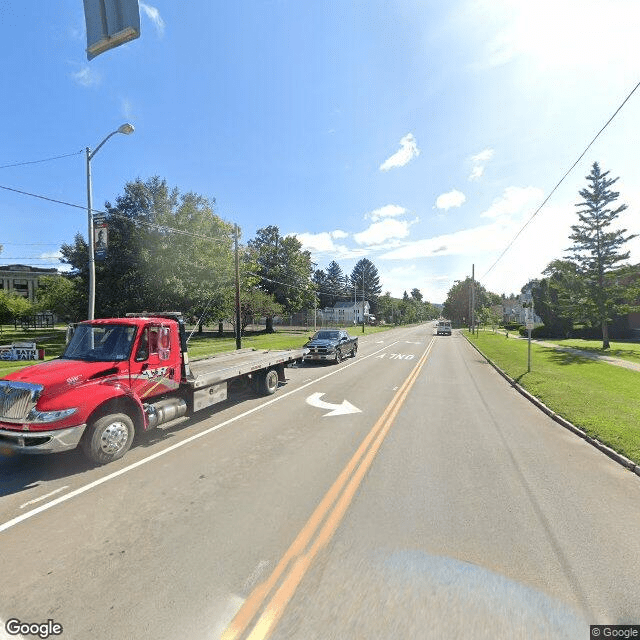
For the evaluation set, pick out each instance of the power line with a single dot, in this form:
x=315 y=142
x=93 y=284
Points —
x=573 y=166
x=20 y=164
x=31 y=244
x=152 y=225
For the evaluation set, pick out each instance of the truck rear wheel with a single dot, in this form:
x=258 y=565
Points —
x=267 y=382
x=108 y=438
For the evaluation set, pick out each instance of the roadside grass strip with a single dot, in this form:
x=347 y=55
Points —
x=601 y=399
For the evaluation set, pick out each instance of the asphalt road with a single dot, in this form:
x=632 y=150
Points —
x=441 y=505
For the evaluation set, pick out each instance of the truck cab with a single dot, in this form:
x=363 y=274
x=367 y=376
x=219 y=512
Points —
x=109 y=367
x=120 y=377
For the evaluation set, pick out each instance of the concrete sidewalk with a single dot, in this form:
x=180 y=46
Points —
x=601 y=357
x=618 y=362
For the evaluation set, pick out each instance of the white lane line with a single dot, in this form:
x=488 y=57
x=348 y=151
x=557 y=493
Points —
x=96 y=483
x=41 y=498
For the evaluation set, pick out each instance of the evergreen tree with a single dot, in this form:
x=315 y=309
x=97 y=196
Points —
x=335 y=283
x=371 y=284
x=596 y=250
x=325 y=299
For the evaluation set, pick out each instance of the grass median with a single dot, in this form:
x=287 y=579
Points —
x=599 y=398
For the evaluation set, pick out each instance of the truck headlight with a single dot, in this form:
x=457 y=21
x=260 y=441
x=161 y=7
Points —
x=50 y=416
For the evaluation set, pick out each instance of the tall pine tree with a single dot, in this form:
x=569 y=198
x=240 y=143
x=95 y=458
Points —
x=365 y=275
x=596 y=249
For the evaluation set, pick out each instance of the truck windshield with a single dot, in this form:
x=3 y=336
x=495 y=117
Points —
x=327 y=335
x=100 y=343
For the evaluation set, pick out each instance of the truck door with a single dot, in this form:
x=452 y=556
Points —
x=155 y=368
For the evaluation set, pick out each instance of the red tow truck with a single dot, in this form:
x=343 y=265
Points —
x=121 y=377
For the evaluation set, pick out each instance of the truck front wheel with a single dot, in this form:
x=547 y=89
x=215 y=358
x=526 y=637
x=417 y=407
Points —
x=108 y=438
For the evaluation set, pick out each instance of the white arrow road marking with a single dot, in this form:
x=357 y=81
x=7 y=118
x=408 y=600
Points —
x=335 y=409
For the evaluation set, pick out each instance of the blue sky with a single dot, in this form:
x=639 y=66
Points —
x=421 y=135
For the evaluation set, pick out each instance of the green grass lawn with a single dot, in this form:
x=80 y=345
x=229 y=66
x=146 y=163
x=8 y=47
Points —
x=623 y=350
x=600 y=398
x=200 y=345
x=209 y=343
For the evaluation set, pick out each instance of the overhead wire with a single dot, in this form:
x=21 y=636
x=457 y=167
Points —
x=21 y=164
x=152 y=225
x=535 y=213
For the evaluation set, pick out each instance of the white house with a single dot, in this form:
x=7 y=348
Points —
x=345 y=313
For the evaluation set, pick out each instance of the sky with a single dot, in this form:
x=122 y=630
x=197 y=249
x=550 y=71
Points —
x=421 y=135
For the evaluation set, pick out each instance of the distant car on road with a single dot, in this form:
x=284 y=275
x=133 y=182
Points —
x=331 y=344
x=443 y=328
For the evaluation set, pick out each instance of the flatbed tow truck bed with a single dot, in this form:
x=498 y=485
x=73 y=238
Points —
x=227 y=366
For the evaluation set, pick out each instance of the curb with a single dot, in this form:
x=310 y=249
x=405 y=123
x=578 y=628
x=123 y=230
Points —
x=614 y=455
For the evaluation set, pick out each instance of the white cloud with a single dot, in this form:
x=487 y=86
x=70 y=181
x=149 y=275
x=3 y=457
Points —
x=514 y=201
x=408 y=150
x=388 y=211
x=451 y=199
x=478 y=163
x=323 y=242
x=86 y=76
x=154 y=15
x=316 y=242
x=383 y=231
x=51 y=254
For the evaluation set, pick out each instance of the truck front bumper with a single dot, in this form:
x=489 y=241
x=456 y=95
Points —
x=40 y=441
x=320 y=356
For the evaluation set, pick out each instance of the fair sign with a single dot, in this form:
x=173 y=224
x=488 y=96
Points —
x=20 y=351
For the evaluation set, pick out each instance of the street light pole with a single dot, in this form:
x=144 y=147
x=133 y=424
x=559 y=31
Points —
x=125 y=129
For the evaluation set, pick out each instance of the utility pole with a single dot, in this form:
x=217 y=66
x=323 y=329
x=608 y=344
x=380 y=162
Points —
x=362 y=298
x=237 y=261
x=473 y=298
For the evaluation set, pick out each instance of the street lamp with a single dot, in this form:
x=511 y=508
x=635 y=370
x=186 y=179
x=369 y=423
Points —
x=126 y=129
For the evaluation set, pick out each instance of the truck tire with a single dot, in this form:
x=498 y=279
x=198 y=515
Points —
x=354 y=350
x=267 y=382
x=338 y=356
x=108 y=438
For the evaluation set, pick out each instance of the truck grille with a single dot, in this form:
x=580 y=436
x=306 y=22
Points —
x=17 y=399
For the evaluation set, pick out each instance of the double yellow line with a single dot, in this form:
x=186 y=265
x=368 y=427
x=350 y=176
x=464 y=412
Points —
x=271 y=597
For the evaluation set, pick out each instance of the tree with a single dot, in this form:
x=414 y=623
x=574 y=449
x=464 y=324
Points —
x=457 y=306
x=14 y=306
x=336 y=282
x=596 y=250
x=388 y=308
x=557 y=298
x=320 y=282
x=62 y=296
x=371 y=282
x=255 y=303
x=166 y=251
x=284 y=270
